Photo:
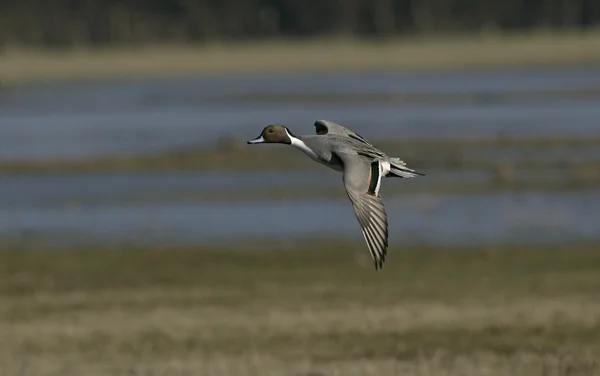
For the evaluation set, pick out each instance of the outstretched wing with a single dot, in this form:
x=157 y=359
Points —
x=324 y=127
x=362 y=180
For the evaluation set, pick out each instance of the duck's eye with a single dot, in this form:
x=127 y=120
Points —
x=270 y=131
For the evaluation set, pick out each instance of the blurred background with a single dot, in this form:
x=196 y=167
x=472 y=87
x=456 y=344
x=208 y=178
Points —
x=122 y=133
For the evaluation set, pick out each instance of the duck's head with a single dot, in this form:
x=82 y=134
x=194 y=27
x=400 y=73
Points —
x=273 y=134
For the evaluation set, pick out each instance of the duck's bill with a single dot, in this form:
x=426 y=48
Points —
x=258 y=140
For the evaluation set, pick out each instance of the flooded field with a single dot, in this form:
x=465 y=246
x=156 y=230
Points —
x=82 y=120
x=534 y=176
x=140 y=235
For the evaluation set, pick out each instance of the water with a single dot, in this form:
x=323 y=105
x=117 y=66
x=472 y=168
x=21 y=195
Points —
x=429 y=219
x=119 y=188
x=86 y=120
x=85 y=190
x=549 y=154
x=106 y=208
x=177 y=92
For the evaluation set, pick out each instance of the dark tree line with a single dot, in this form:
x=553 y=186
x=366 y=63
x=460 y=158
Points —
x=97 y=22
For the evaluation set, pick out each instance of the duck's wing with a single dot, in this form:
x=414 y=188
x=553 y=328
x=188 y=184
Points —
x=324 y=127
x=362 y=180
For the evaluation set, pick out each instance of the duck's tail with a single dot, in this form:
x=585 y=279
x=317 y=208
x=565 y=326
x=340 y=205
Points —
x=398 y=169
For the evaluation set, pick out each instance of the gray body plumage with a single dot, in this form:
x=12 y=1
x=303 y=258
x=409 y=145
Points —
x=336 y=140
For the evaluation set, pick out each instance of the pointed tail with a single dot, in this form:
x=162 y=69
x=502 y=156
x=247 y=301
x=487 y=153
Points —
x=398 y=169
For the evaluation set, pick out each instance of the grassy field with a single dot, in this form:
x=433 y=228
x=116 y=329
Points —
x=314 y=309
x=19 y=66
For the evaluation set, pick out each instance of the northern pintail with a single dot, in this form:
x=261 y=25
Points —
x=363 y=166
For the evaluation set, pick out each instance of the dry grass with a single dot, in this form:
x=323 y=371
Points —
x=315 y=310
x=541 y=48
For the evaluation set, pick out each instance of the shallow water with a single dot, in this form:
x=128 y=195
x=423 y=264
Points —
x=86 y=120
x=417 y=218
x=83 y=120
x=106 y=208
x=547 y=154
x=79 y=190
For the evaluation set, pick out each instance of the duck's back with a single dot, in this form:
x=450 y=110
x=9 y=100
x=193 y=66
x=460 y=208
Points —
x=333 y=143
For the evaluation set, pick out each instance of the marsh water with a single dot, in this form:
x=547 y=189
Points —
x=94 y=119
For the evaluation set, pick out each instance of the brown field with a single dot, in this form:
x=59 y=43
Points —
x=19 y=66
x=312 y=309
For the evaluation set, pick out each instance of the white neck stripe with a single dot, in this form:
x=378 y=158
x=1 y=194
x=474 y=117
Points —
x=299 y=144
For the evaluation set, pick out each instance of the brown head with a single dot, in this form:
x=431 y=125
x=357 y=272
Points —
x=273 y=134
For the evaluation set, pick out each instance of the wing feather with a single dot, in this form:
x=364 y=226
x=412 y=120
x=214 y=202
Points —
x=367 y=204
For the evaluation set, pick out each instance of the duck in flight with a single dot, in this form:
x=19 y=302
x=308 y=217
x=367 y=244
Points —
x=362 y=166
